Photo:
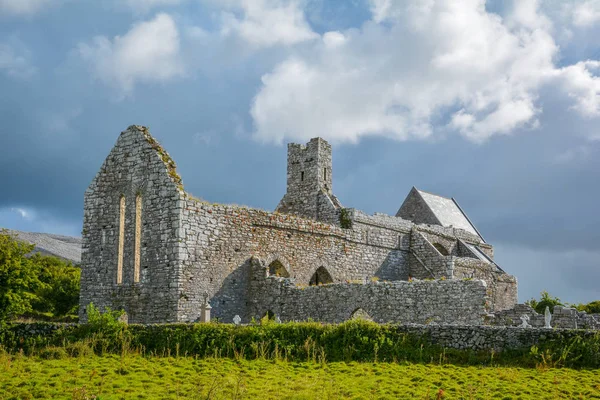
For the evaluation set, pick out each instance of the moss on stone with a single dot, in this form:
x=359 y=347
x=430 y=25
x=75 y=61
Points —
x=166 y=158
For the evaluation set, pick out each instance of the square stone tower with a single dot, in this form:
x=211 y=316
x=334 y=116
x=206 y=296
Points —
x=309 y=182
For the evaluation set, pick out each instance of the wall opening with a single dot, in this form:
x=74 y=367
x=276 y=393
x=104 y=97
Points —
x=302 y=176
x=359 y=313
x=439 y=247
x=324 y=174
x=121 y=240
x=138 y=238
x=321 y=277
x=276 y=268
x=270 y=315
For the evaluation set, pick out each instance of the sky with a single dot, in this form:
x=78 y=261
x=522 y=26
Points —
x=494 y=103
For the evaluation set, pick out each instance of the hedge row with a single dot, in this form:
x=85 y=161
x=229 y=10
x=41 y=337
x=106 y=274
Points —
x=361 y=341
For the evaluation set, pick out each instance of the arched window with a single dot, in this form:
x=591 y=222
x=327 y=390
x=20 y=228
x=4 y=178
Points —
x=276 y=268
x=443 y=251
x=121 y=240
x=359 y=313
x=320 y=277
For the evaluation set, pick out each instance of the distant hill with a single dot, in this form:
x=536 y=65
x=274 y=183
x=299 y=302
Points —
x=65 y=247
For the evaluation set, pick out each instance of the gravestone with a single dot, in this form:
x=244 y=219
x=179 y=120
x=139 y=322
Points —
x=205 y=311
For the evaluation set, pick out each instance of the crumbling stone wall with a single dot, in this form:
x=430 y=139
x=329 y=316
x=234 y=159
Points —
x=502 y=288
x=220 y=240
x=443 y=301
x=189 y=248
x=137 y=165
x=309 y=182
x=426 y=260
x=562 y=317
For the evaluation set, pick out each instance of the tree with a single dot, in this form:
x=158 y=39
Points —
x=545 y=300
x=18 y=277
x=59 y=293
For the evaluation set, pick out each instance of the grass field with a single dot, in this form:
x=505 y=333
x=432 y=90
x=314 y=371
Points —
x=137 y=377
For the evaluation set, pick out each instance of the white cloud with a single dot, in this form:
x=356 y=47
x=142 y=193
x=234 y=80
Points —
x=15 y=59
x=266 y=23
x=149 y=52
x=22 y=7
x=587 y=13
x=581 y=81
x=421 y=68
x=25 y=214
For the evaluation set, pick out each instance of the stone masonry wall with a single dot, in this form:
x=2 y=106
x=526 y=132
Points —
x=189 y=248
x=445 y=301
x=135 y=166
x=309 y=182
x=562 y=317
x=502 y=288
x=451 y=336
x=426 y=261
x=220 y=240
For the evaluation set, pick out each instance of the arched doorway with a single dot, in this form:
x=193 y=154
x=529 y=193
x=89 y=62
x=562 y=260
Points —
x=320 y=277
x=276 y=268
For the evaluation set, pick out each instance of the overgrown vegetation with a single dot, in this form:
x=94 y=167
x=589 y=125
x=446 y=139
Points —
x=545 y=301
x=355 y=340
x=39 y=286
x=345 y=220
x=590 y=308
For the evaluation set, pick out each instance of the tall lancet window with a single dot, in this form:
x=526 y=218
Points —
x=121 y=240
x=138 y=238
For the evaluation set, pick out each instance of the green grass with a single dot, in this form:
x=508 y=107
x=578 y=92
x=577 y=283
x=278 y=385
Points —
x=133 y=376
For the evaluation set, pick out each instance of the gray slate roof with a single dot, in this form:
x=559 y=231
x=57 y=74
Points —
x=65 y=247
x=448 y=212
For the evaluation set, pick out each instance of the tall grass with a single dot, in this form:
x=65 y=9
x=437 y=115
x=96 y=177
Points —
x=355 y=340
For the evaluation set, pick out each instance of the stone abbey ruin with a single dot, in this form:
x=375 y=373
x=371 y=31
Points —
x=155 y=251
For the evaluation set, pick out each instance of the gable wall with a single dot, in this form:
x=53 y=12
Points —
x=133 y=167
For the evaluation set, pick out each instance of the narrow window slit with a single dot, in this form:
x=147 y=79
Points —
x=138 y=238
x=121 y=240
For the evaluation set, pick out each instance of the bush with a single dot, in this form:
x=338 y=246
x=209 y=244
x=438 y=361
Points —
x=53 y=353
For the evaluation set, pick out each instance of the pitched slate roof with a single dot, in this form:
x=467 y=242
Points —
x=425 y=207
x=65 y=247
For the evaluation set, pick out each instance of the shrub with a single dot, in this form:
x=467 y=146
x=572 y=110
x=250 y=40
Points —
x=53 y=353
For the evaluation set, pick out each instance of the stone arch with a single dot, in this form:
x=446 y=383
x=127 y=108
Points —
x=321 y=277
x=359 y=313
x=277 y=265
x=441 y=248
x=276 y=268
